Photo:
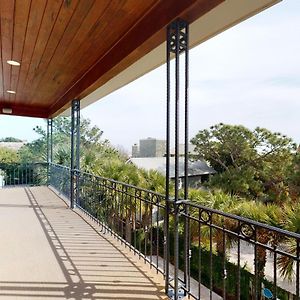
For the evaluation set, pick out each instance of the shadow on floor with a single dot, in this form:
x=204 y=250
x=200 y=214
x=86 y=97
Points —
x=92 y=266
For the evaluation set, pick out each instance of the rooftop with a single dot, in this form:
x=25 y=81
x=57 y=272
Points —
x=195 y=168
x=12 y=145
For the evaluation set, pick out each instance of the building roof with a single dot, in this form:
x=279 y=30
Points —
x=86 y=49
x=191 y=149
x=196 y=168
x=12 y=145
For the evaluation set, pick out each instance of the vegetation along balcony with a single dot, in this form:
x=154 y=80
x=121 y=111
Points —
x=229 y=256
x=68 y=233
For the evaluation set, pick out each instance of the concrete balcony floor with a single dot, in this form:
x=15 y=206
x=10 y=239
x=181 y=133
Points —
x=48 y=251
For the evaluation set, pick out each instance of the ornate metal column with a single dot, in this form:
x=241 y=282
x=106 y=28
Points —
x=49 y=147
x=75 y=152
x=177 y=43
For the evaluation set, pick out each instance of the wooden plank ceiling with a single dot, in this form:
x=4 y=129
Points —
x=67 y=49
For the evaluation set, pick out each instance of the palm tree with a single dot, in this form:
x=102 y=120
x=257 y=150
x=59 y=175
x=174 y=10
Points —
x=291 y=222
x=268 y=214
x=220 y=201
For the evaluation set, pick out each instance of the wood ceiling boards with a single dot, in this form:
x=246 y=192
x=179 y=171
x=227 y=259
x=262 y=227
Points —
x=69 y=48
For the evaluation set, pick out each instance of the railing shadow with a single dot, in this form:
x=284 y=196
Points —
x=93 y=267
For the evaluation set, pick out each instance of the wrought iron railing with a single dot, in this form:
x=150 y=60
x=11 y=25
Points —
x=239 y=258
x=59 y=177
x=221 y=256
x=23 y=174
x=133 y=215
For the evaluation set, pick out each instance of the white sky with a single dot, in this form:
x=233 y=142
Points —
x=248 y=75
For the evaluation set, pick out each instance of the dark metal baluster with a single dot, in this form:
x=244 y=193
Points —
x=199 y=256
x=22 y=175
x=157 y=232
x=127 y=223
x=135 y=221
x=239 y=269
x=210 y=259
x=122 y=212
x=255 y=270
x=224 y=262
x=145 y=228
x=107 y=191
x=275 y=272
x=298 y=270
x=140 y=217
x=118 y=212
x=151 y=230
x=132 y=216
x=113 y=212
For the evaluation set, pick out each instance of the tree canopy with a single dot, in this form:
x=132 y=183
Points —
x=97 y=155
x=8 y=156
x=254 y=163
x=10 y=139
x=92 y=145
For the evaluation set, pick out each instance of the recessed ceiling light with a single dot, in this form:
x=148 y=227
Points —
x=13 y=63
x=11 y=92
x=7 y=110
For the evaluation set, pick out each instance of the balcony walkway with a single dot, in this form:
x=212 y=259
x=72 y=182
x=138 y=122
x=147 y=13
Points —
x=48 y=251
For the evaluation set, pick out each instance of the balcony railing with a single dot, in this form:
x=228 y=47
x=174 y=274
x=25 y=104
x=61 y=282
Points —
x=221 y=256
x=23 y=174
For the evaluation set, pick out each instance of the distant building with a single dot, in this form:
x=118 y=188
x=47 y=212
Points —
x=198 y=171
x=152 y=147
x=135 y=151
x=149 y=147
x=12 y=145
x=191 y=149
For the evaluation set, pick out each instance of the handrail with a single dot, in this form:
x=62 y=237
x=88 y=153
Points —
x=193 y=204
x=219 y=243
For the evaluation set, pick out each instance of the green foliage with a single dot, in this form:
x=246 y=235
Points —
x=97 y=156
x=10 y=139
x=249 y=163
x=294 y=177
x=291 y=220
x=8 y=156
x=216 y=199
x=92 y=146
x=202 y=257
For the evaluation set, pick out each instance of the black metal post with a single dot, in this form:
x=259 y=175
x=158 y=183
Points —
x=77 y=158
x=72 y=157
x=167 y=210
x=49 y=147
x=176 y=207
x=187 y=235
x=75 y=153
x=177 y=43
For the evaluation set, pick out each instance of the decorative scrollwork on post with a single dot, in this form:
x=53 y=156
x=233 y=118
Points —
x=247 y=230
x=205 y=216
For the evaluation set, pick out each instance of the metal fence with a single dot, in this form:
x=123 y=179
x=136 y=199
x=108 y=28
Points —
x=227 y=255
x=238 y=258
x=59 y=177
x=23 y=174
x=221 y=256
x=133 y=215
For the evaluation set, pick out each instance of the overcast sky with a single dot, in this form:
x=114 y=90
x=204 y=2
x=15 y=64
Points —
x=248 y=75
